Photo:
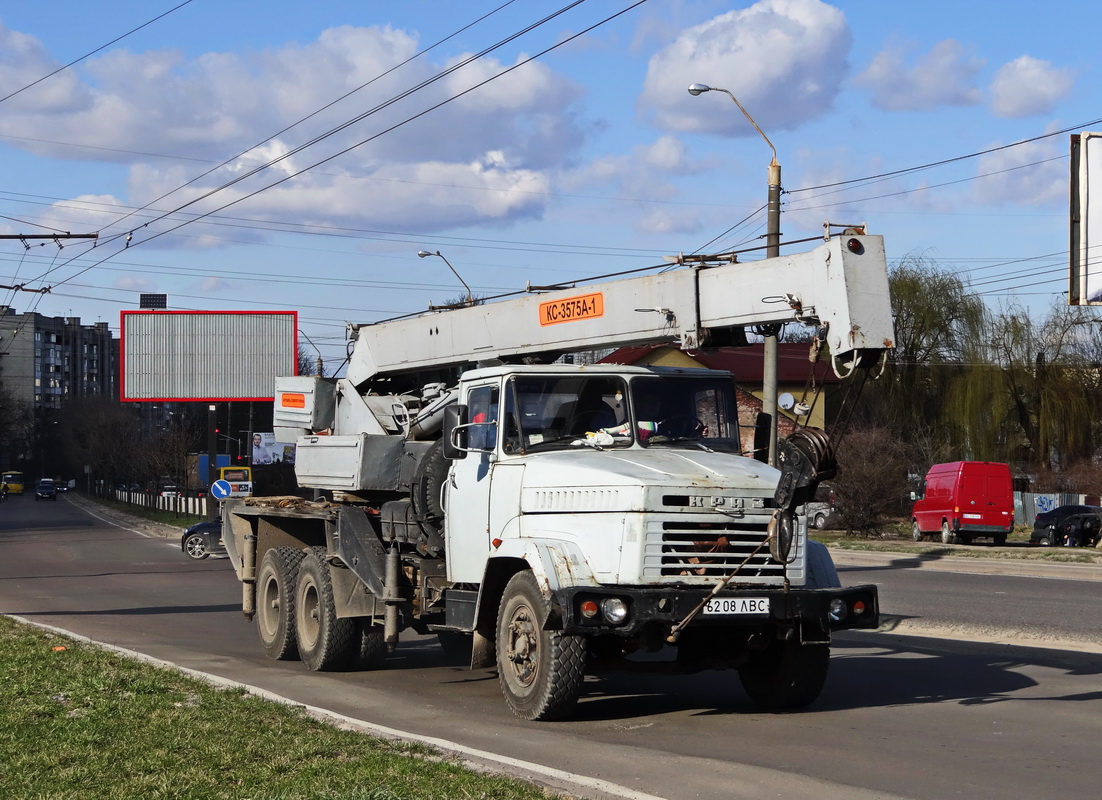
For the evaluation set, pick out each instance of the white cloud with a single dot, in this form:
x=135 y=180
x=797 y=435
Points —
x=669 y=221
x=667 y=153
x=783 y=59
x=1016 y=176
x=1027 y=86
x=485 y=157
x=944 y=76
x=218 y=285
x=133 y=283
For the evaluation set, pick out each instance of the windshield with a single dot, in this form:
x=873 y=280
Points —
x=562 y=411
x=547 y=411
x=677 y=409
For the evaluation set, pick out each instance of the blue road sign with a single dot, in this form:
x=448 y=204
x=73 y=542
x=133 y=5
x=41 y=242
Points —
x=220 y=490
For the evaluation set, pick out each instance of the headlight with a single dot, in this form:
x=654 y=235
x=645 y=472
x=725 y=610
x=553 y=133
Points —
x=838 y=609
x=614 y=610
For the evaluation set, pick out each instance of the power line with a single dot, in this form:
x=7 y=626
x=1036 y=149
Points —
x=329 y=105
x=92 y=53
x=392 y=128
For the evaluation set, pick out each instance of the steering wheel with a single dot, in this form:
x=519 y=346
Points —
x=681 y=426
x=589 y=421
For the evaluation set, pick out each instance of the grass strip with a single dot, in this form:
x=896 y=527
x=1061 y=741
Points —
x=78 y=721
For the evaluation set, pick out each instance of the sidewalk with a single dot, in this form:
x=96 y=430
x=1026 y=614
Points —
x=127 y=521
x=1028 y=567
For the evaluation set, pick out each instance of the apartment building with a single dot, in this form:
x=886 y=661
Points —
x=45 y=361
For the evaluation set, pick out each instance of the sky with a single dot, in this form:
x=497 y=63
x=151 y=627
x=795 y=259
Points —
x=283 y=155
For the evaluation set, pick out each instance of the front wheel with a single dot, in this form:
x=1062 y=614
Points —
x=916 y=534
x=195 y=546
x=946 y=533
x=540 y=671
x=786 y=675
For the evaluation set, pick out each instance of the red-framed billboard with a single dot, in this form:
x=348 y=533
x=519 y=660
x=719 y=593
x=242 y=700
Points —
x=205 y=355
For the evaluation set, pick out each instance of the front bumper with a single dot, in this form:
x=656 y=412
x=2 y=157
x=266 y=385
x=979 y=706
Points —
x=665 y=606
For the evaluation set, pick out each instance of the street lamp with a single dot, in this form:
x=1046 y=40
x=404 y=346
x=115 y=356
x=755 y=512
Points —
x=772 y=250
x=426 y=254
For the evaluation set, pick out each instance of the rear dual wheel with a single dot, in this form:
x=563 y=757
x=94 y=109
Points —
x=325 y=641
x=275 y=601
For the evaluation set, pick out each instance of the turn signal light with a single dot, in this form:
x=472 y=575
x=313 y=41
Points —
x=589 y=609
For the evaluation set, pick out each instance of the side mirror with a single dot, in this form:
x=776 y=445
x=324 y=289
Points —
x=455 y=432
x=914 y=496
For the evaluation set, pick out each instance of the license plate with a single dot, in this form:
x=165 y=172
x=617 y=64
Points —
x=973 y=516
x=748 y=606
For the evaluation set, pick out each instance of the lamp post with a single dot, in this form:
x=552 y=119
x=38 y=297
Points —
x=426 y=254
x=772 y=250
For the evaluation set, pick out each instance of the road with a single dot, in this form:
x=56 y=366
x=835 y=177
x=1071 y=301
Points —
x=901 y=716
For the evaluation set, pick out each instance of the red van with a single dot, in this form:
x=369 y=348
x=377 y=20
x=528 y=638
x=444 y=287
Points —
x=964 y=500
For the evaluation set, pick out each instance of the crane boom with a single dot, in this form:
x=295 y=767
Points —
x=841 y=286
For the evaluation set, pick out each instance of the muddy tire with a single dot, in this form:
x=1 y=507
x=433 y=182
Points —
x=325 y=641
x=372 y=652
x=916 y=534
x=275 y=601
x=785 y=676
x=947 y=536
x=428 y=481
x=540 y=671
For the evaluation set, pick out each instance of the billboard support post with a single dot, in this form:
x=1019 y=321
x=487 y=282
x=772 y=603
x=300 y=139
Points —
x=212 y=444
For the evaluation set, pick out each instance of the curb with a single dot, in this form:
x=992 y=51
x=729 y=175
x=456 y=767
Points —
x=1025 y=567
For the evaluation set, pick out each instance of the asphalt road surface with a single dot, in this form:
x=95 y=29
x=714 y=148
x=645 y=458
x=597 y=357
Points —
x=901 y=716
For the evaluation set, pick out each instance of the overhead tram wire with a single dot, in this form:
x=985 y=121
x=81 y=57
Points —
x=392 y=128
x=1079 y=127
x=313 y=114
x=342 y=127
x=360 y=117
x=93 y=52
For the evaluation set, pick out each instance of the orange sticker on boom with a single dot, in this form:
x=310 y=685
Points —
x=572 y=309
x=292 y=400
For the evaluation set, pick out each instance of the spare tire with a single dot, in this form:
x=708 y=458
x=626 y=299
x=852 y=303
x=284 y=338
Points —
x=428 y=481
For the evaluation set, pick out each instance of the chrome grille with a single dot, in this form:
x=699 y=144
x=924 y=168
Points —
x=683 y=548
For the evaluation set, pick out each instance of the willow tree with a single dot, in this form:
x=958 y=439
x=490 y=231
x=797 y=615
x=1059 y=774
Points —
x=936 y=320
x=1026 y=393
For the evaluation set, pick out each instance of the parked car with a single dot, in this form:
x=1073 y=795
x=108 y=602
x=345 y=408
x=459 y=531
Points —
x=821 y=512
x=45 y=489
x=1055 y=516
x=1083 y=523
x=170 y=491
x=202 y=539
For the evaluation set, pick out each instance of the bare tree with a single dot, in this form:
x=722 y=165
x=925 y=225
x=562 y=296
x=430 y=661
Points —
x=872 y=478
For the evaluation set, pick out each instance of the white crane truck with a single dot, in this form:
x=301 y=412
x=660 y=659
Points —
x=552 y=519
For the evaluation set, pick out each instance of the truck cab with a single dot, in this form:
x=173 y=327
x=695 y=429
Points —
x=628 y=473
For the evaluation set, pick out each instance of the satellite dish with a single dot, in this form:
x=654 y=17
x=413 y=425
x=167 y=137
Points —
x=786 y=401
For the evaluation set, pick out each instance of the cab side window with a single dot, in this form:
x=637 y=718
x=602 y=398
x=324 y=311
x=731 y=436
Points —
x=482 y=404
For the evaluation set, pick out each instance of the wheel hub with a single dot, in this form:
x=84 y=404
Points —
x=522 y=647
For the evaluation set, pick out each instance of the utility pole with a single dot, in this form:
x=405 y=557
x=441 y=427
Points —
x=769 y=333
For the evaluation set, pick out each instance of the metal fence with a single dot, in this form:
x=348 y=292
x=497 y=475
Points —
x=1027 y=505
x=182 y=506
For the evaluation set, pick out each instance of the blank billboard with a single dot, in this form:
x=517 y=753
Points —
x=1085 y=276
x=206 y=355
